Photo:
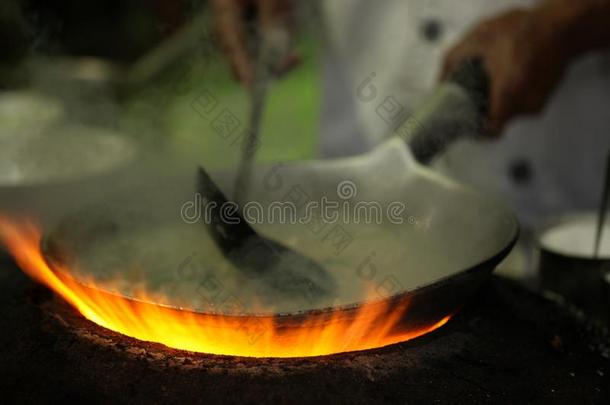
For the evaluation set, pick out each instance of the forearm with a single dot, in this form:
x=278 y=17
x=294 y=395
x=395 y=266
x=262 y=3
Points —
x=578 y=25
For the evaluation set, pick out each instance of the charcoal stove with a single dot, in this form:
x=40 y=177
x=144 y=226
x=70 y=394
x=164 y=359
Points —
x=508 y=346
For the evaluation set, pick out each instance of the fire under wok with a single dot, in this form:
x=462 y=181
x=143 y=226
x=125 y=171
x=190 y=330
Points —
x=415 y=265
x=396 y=248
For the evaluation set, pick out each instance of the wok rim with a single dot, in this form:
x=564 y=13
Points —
x=489 y=264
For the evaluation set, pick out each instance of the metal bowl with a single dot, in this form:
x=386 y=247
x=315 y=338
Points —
x=567 y=264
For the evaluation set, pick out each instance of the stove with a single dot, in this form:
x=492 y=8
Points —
x=508 y=346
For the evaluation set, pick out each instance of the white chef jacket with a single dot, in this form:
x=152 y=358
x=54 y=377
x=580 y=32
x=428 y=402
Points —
x=381 y=57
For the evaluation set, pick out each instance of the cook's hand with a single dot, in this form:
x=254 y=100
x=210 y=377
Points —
x=231 y=26
x=522 y=58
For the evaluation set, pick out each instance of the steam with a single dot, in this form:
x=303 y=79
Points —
x=120 y=224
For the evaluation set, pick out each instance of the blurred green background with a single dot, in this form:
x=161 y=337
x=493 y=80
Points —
x=41 y=33
x=290 y=123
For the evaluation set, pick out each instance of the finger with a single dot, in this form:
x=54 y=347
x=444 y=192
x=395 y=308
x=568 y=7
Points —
x=470 y=48
x=275 y=14
x=449 y=63
x=291 y=61
x=275 y=21
x=231 y=32
x=502 y=105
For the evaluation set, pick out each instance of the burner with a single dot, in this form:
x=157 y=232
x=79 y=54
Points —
x=508 y=346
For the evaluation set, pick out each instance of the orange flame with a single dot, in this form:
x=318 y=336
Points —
x=371 y=326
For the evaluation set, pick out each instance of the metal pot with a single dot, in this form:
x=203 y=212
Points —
x=567 y=264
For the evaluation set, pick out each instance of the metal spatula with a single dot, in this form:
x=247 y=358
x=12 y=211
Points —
x=285 y=270
x=272 y=47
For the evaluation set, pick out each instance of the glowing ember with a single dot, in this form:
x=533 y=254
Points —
x=373 y=325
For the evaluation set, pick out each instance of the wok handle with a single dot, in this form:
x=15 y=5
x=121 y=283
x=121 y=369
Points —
x=473 y=79
x=457 y=108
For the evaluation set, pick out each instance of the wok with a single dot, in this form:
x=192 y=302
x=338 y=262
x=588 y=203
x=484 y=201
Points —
x=448 y=244
x=432 y=256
